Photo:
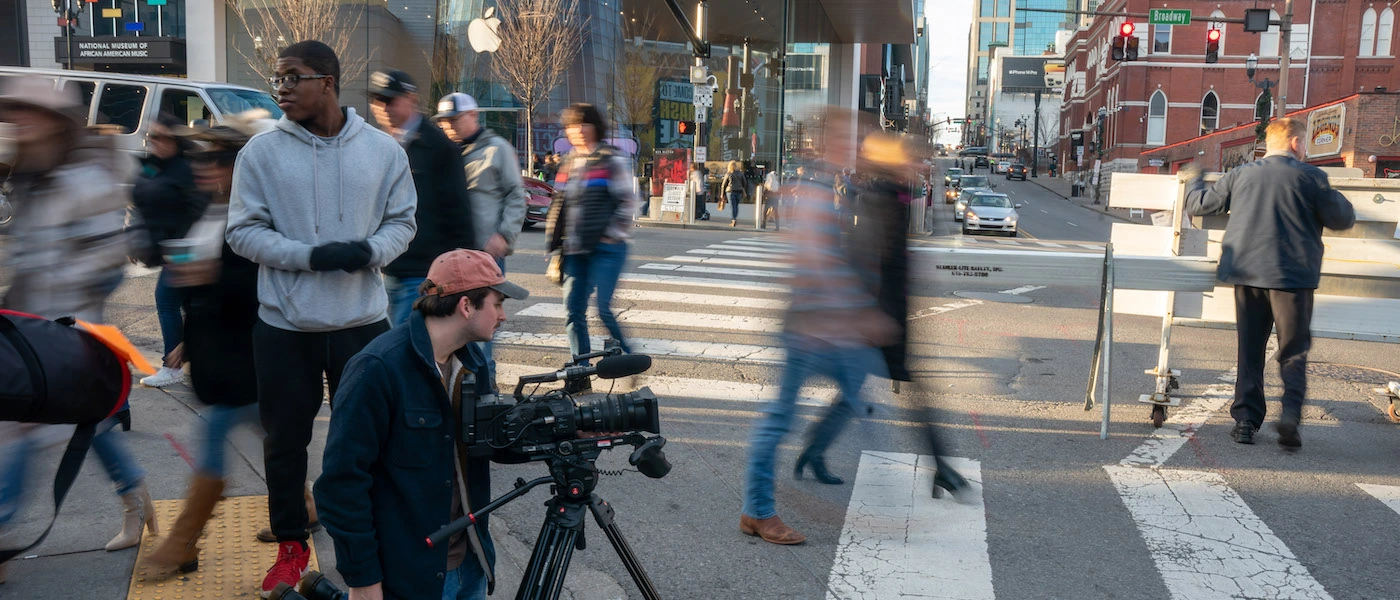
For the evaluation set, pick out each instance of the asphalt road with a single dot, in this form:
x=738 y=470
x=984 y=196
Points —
x=1177 y=513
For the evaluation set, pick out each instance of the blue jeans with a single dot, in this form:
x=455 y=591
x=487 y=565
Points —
x=734 y=205
x=169 y=305
x=121 y=467
x=222 y=420
x=466 y=582
x=848 y=366
x=583 y=273
x=402 y=292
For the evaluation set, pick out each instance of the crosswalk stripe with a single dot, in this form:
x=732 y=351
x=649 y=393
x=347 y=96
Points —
x=667 y=387
x=1007 y=242
x=714 y=270
x=1091 y=246
x=739 y=254
x=699 y=299
x=762 y=244
x=1387 y=494
x=664 y=318
x=1204 y=539
x=898 y=542
x=656 y=347
x=736 y=262
x=1051 y=244
x=763 y=250
x=704 y=282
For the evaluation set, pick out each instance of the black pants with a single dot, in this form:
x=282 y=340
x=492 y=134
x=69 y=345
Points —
x=290 y=367
x=1258 y=310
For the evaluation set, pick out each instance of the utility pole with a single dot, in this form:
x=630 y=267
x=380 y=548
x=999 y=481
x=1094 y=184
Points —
x=1285 y=40
x=1035 y=150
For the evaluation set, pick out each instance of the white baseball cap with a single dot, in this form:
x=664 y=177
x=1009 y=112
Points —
x=455 y=104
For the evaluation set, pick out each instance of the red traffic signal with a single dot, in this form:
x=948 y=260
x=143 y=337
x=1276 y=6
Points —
x=1212 y=45
x=1126 y=29
x=1213 y=35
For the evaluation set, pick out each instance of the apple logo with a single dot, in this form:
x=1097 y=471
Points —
x=481 y=33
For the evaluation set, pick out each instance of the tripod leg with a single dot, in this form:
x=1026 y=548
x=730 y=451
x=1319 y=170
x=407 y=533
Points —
x=539 y=559
x=603 y=514
x=549 y=562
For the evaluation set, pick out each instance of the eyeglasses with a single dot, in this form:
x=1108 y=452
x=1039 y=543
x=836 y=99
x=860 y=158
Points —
x=224 y=158
x=291 y=80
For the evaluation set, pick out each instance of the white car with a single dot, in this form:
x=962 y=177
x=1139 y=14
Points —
x=1002 y=166
x=960 y=206
x=990 y=212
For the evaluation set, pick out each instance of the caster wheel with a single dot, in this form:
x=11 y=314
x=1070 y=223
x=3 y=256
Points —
x=1159 y=415
x=1394 y=412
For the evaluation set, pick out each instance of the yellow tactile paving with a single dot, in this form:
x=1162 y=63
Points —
x=232 y=562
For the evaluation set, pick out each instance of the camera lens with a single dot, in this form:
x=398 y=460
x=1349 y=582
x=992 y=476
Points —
x=623 y=412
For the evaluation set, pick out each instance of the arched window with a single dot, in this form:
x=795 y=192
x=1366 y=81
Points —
x=1210 y=113
x=1368 y=33
x=1384 y=29
x=1220 y=26
x=1157 y=119
x=1268 y=41
x=1263 y=106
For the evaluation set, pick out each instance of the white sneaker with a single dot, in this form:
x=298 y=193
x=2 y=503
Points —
x=166 y=376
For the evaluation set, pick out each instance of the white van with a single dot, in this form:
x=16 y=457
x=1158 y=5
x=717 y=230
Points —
x=130 y=103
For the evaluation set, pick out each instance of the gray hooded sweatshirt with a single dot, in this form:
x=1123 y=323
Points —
x=293 y=191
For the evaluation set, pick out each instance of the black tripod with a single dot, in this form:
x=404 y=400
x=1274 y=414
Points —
x=572 y=480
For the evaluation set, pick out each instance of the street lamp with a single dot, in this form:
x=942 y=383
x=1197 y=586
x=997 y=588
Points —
x=1251 y=66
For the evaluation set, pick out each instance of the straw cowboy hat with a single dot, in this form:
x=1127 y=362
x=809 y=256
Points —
x=40 y=93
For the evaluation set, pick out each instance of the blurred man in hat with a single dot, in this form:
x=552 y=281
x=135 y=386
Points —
x=381 y=488
x=494 y=185
x=444 y=214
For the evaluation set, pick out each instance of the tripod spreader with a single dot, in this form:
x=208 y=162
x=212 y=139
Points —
x=522 y=487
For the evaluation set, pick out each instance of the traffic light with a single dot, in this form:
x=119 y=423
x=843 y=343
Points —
x=1125 y=44
x=1120 y=46
x=1131 y=52
x=1212 y=45
x=686 y=128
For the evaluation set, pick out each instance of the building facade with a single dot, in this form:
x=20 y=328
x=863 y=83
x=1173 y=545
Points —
x=1115 y=112
x=1017 y=26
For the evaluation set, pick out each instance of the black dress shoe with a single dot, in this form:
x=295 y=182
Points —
x=819 y=471
x=1288 y=438
x=1243 y=433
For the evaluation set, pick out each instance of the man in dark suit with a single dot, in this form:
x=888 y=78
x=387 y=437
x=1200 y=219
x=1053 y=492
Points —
x=1272 y=253
x=444 y=213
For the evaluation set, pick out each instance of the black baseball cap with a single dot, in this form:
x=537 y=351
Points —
x=388 y=85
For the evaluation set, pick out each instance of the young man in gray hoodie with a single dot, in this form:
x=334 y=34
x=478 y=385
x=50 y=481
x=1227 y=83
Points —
x=321 y=203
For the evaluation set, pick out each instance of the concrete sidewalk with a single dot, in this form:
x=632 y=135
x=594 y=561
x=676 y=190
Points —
x=1062 y=188
x=719 y=220
x=165 y=438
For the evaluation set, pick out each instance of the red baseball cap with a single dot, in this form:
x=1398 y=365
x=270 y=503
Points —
x=461 y=270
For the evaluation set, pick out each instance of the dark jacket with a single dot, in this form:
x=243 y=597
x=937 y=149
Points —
x=386 y=478
x=594 y=197
x=219 y=321
x=167 y=203
x=1278 y=207
x=444 y=214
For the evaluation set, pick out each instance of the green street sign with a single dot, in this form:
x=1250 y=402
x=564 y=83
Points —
x=1169 y=16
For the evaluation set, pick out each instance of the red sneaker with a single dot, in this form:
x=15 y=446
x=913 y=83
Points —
x=293 y=560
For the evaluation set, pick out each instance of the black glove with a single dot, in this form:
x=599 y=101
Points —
x=346 y=256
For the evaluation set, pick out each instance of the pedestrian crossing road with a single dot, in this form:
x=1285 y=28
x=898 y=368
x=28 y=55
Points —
x=1177 y=512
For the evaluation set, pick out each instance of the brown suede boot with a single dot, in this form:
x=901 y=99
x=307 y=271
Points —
x=179 y=552
x=772 y=530
x=313 y=523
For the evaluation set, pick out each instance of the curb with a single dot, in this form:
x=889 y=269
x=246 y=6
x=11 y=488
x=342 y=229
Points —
x=640 y=222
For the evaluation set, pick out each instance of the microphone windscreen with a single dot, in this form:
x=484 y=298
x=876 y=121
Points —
x=627 y=365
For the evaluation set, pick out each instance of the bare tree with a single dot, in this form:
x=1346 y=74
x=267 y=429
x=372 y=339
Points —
x=539 y=41
x=276 y=24
x=446 y=64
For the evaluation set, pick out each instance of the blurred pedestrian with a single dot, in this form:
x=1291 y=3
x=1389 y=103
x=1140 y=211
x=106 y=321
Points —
x=444 y=213
x=66 y=256
x=696 y=181
x=833 y=327
x=590 y=224
x=1272 y=253
x=494 y=187
x=320 y=203
x=166 y=204
x=220 y=293
x=734 y=187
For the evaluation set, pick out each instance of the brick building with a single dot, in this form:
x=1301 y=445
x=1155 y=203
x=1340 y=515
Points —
x=1170 y=94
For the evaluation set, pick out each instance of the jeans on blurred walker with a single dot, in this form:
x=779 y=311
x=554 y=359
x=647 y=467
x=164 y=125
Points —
x=583 y=273
x=806 y=357
x=116 y=460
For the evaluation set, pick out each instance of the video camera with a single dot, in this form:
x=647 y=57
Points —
x=548 y=426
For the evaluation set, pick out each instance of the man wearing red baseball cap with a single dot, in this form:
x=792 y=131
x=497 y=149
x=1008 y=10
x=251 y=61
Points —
x=393 y=472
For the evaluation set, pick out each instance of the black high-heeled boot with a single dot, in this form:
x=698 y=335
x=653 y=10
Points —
x=948 y=479
x=818 y=464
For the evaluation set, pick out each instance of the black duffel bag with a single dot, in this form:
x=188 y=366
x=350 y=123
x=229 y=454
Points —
x=53 y=372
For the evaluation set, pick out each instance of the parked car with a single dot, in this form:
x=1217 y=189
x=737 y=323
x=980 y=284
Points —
x=1016 y=171
x=960 y=206
x=989 y=211
x=539 y=196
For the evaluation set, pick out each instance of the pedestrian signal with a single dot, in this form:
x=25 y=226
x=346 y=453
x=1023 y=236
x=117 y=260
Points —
x=686 y=128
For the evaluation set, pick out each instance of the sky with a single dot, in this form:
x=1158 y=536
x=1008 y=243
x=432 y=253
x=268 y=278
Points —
x=948 y=22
